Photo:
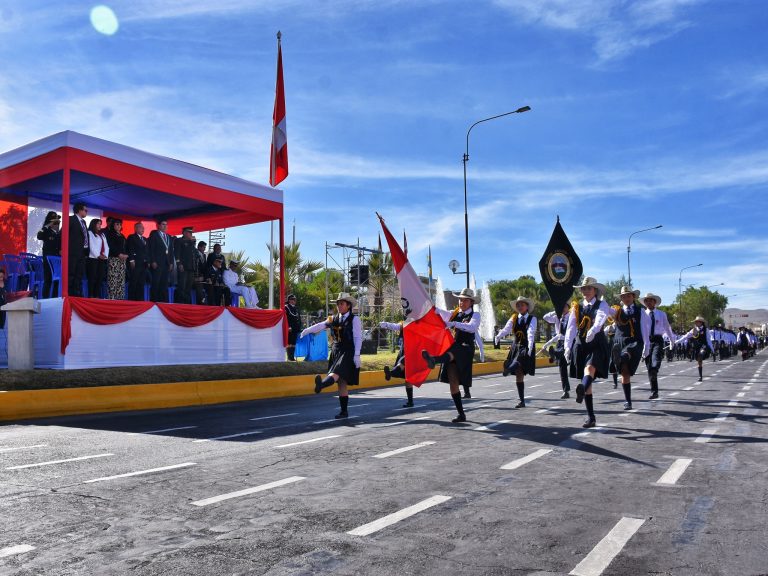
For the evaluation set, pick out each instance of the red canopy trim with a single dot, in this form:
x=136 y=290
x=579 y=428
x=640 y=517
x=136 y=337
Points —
x=188 y=315
x=257 y=318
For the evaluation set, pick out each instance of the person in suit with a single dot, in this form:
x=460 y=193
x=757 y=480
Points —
x=161 y=261
x=216 y=253
x=185 y=266
x=50 y=235
x=293 y=317
x=78 y=249
x=136 y=246
x=219 y=292
x=200 y=283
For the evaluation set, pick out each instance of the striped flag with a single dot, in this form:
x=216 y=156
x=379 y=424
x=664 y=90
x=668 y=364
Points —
x=424 y=328
x=278 y=153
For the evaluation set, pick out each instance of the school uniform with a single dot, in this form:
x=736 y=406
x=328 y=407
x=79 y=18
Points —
x=658 y=328
x=585 y=342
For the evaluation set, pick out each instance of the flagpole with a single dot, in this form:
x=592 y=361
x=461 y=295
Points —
x=271 y=271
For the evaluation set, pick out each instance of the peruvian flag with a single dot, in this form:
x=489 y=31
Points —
x=424 y=328
x=278 y=153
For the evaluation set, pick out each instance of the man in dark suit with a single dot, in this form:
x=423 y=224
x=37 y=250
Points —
x=200 y=283
x=216 y=253
x=161 y=261
x=185 y=266
x=136 y=246
x=219 y=292
x=78 y=249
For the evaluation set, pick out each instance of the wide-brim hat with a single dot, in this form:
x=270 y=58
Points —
x=466 y=293
x=590 y=281
x=52 y=216
x=652 y=296
x=346 y=297
x=699 y=319
x=628 y=290
x=528 y=301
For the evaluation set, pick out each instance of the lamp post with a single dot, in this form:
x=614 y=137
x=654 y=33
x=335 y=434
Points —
x=680 y=293
x=465 y=160
x=629 y=249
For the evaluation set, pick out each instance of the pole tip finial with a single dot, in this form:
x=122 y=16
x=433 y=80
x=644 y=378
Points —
x=279 y=35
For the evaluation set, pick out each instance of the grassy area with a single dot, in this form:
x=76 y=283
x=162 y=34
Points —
x=47 y=379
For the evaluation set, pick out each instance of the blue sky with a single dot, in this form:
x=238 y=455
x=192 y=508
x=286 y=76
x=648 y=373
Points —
x=643 y=113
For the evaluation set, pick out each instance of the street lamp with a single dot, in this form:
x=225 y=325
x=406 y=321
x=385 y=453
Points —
x=629 y=249
x=465 y=160
x=680 y=292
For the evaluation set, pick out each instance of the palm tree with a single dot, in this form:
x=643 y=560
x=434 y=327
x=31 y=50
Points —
x=297 y=270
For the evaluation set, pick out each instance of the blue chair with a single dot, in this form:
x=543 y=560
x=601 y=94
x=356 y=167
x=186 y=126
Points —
x=16 y=273
x=34 y=264
x=235 y=301
x=54 y=262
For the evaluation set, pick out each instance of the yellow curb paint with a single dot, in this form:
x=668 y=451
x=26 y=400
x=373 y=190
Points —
x=26 y=404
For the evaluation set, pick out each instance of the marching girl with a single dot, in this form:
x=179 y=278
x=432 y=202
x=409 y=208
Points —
x=456 y=363
x=344 y=359
x=698 y=339
x=521 y=359
x=559 y=325
x=398 y=369
x=630 y=341
x=586 y=346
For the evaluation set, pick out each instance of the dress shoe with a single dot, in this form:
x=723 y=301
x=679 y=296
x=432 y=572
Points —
x=318 y=384
x=588 y=423
x=580 y=393
x=520 y=404
x=408 y=404
x=699 y=378
x=565 y=395
x=460 y=418
x=627 y=405
x=430 y=360
x=467 y=395
x=342 y=414
x=653 y=396
x=387 y=375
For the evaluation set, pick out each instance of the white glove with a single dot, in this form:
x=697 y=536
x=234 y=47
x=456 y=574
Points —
x=496 y=340
x=567 y=355
x=357 y=361
x=590 y=336
x=450 y=324
x=303 y=333
x=382 y=325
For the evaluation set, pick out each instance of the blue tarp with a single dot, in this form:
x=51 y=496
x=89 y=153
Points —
x=312 y=347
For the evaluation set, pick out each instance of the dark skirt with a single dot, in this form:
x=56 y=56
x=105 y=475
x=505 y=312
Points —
x=656 y=354
x=625 y=351
x=342 y=362
x=463 y=356
x=520 y=355
x=400 y=357
x=702 y=353
x=594 y=354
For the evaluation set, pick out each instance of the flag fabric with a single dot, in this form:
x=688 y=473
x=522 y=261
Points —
x=560 y=268
x=424 y=328
x=278 y=153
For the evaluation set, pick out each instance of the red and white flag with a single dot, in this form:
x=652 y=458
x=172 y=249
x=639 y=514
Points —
x=424 y=328
x=278 y=153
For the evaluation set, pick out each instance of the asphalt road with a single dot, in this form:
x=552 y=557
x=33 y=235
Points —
x=275 y=488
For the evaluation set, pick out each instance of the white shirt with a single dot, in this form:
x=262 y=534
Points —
x=96 y=242
x=603 y=313
x=509 y=327
x=690 y=335
x=661 y=326
x=230 y=278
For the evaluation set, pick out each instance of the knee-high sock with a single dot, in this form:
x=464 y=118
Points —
x=700 y=369
x=397 y=372
x=466 y=389
x=327 y=381
x=587 y=382
x=409 y=393
x=590 y=408
x=443 y=358
x=344 y=402
x=627 y=392
x=615 y=377
x=457 y=400
x=521 y=391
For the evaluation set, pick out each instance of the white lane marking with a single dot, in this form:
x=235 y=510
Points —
x=542 y=411
x=141 y=472
x=412 y=407
x=628 y=412
x=275 y=416
x=22 y=448
x=59 y=461
x=401 y=450
x=706 y=435
x=515 y=464
x=358 y=405
x=18 y=549
x=673 y=393
x=721 y=416
x=489 y=426
x=336 y=420
x=308 y=441
x=733 y=402
x=675 y=470
x=608 y=548
x=534 y=386
x=747 y=388
x=238 y=435
x=741 y=395
x=381 y=523
x=688 y=388
x=247 y=491
x=612 y=392
x=161 y=430
x=505 y=392
x=497 y=384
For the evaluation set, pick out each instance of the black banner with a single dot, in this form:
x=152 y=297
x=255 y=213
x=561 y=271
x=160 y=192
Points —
x=560 y=268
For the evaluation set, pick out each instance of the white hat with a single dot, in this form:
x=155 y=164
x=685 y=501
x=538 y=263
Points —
x=589 y=281
x=346 y=297
x=466 y=293
x=651 y=295
x=699 y=319
x=628 y=290
x=528 y=301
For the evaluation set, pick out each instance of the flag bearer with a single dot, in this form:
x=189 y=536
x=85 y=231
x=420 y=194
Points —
x=344 y=359
x=586 y=346
x=521 y=359
x=630 y=341
x=457 y=361
x=659 y=327
x=698 y=338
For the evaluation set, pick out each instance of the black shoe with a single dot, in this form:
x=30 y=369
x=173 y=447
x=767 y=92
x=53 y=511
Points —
x=653 y=396
x=589 y=423
x=627 y=405
x=408 y=404
x=459 y=418
x=342 y=414
x=615 y=385
x=318 y=384
x=565 y=395
x=580 y=393
x=467 y=395
x=520 y=404
x=429 y=359
x=387 y=375
x=699 y=378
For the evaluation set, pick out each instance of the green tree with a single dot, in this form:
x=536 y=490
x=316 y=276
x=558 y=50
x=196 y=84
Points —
x=503 y=292
x=297 y=270
x=700 y=302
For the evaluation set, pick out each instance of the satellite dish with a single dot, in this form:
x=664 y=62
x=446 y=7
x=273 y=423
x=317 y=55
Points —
x=453 y=265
